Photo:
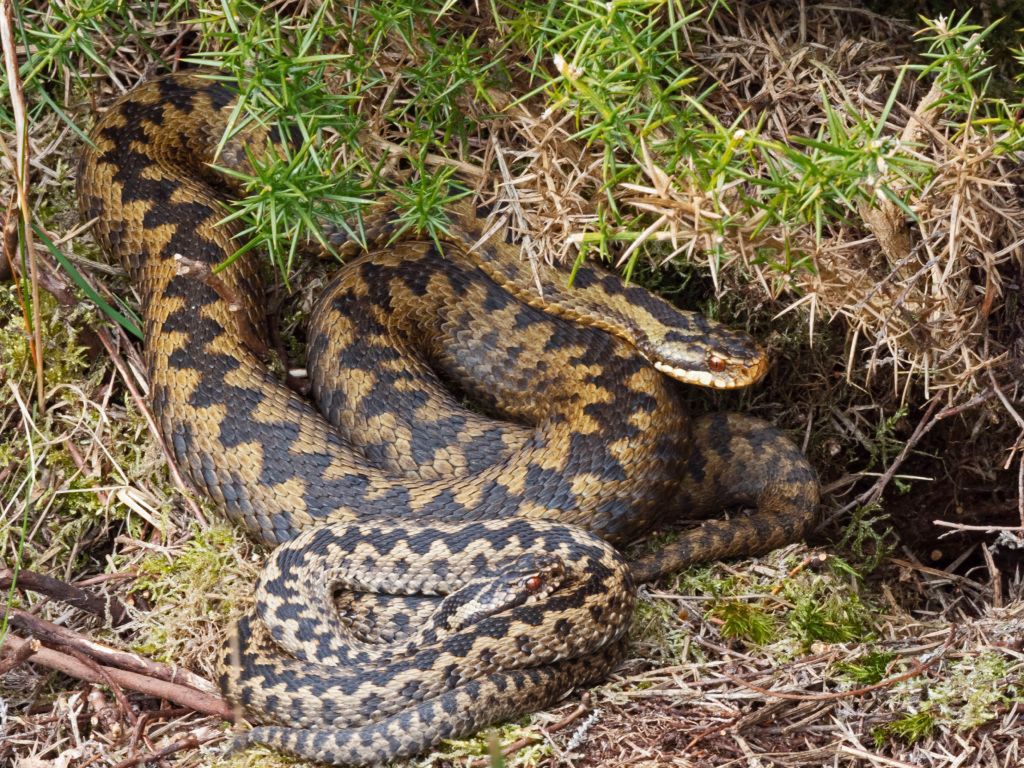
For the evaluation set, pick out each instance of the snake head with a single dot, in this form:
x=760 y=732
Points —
x=528 y=578
x=696 y=350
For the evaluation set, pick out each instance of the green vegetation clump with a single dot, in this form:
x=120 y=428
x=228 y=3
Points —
x=209 y=579
x=869 y=669
x=827 y=611
x=971 y=692
x=910 y=729
x=742 y=621
x=64 y=353
x=790 y=614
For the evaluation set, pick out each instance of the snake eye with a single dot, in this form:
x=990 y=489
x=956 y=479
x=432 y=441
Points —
x=533 y=583
x=716 y=364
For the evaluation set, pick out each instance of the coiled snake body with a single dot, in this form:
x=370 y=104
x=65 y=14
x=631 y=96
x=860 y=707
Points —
x=393 y=487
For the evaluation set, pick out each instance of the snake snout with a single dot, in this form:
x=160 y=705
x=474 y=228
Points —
x=709 y=355
x=528 y=578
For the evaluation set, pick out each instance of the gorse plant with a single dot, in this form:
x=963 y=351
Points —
x=339 y=77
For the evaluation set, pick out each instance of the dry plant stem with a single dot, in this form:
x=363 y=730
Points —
x=20 y=656
x=431 y=159
x=875 y=760
x=978 y=399
x=122 y=702
x=54 y=283
x=929 y=420
x=179 y=694
x=67 y=593
x=205 y=274
x=190 y=742
x=995 y=577
x=53 y=635
x=34 y=327
x=525 y=741
x=140 y=403
x=1020 y=491
x=8 y=241
x=981 y=528
x=916 y=668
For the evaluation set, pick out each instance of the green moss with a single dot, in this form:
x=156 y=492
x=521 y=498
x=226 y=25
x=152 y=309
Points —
x=826 y=611
x=868 y=540
x=656 y=623
x=64 y=357
x=744 y=621
x=192 y=588
x=909 y=729
x=256 y=757
x=971 y=692
x=974 y=690
x=199 y=567
x=489 y=742
x=869 y=669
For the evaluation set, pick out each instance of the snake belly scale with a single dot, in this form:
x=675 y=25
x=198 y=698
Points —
x=501 y=521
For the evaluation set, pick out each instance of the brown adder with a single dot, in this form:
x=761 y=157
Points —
x=393 y=485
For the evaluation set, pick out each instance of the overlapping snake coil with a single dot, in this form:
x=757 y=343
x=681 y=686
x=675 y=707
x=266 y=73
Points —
x=491 y=529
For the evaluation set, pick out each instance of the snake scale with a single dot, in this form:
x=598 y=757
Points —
x=491 y=530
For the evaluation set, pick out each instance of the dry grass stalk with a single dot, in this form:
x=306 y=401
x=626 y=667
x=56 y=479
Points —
x=20 y=165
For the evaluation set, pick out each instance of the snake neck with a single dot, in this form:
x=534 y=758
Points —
x=684 y=345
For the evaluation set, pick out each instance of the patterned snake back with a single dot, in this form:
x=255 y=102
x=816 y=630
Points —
x=393 y=475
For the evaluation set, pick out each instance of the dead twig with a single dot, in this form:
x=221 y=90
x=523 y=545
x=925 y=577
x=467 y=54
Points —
x=102 y=606
x=61 y=637
x=189 y=742
x=19 y=656
x=915 y=669
x=104 y=675
x=205 y=274
x=179 y=694
x=872 y=494
x=981 y=528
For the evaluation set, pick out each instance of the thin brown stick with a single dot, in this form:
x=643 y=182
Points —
x=875 y=759
x=204 y=273
x=122 y=701
x=19 y=656
x=53 y=635
x=7 y=41
x=916 y=668
x=995 y=576
x=1020 y=490
x=982 y=528
x=978 y=399
x=929 y=420
x=189 y=742
x=98 y=605
x=179 y=694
